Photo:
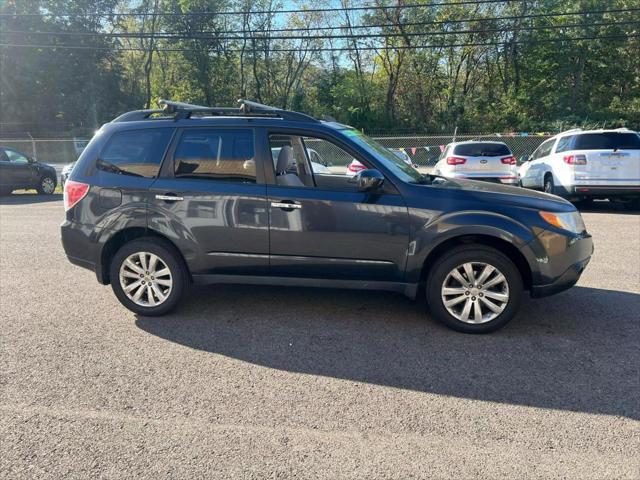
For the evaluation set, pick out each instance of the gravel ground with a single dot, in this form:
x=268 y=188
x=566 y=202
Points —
x=265 y=382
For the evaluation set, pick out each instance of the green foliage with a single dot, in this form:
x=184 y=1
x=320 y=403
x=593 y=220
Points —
x=524 y=83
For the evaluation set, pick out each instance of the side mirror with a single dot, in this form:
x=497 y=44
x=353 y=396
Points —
x=525 y=159
x=369 y=180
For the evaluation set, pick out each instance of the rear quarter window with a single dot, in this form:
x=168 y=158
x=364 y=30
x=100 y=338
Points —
x=135 y=152
x=607 y=141
x=481 y=150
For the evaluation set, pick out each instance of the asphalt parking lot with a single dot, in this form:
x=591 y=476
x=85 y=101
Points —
x=244 y=382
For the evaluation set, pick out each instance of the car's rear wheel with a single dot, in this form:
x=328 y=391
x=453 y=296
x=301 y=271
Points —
x=474 y=289
x=148 y=276
x=47 y=185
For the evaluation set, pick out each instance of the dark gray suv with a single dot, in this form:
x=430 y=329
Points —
x=163 y=198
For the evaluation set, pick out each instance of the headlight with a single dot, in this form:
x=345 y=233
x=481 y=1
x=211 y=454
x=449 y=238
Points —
x=571 y=221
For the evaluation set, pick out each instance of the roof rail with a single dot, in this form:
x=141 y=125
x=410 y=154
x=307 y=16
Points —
x=181 y=110
x=572 y=130
x=136 y=115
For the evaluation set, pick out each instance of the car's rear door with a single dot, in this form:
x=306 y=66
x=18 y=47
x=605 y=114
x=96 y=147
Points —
x=211 y=193
x=323 y=227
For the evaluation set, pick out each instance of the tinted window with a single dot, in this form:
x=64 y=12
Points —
x=481 y=150
x=135 y=152
x=607 y=141
x=225 y=155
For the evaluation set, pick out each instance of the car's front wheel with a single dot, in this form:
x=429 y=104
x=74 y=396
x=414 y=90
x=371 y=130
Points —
x=474 y=289
x=148 y=276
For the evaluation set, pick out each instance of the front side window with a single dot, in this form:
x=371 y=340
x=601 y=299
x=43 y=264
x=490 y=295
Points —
x=216 y=154
x=16 y=157
x=313 y=162
x=136 y=152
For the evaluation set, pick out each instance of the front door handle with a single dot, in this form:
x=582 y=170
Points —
x=286 y=205
x=169 y=198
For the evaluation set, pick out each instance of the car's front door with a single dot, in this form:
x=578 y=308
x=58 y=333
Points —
x=20 y=171
x=321 y=226
x=533 y=174
x=210 y=189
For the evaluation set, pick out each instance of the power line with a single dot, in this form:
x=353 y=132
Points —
x=331 y=49
x=173 y=36
x=258 y=12
x=387 y=25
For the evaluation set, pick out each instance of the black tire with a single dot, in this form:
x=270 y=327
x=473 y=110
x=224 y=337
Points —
x=169 y=256
x=466 y=254
x=44 y=186
x=549 y=186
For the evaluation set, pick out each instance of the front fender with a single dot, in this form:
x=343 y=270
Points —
x=428 y=237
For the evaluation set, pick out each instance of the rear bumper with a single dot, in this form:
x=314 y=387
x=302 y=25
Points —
x=78 y=242
x=486 y=177
x=605 y=191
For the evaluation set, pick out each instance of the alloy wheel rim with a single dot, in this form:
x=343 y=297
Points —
x=48 y=185
x=146 y=279
x=475 y=292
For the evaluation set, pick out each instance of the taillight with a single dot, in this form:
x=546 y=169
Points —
x=456 y=160
x=73 y=193
x=508 y=160
x=356 y=167
x=575 y=159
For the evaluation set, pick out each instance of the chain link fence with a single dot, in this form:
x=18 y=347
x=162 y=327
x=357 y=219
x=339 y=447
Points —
x=422 y=149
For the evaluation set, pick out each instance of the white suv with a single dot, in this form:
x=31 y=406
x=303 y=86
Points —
x=582 y=165
x=478 y=160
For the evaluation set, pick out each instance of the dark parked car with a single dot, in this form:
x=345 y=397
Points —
x=163 y=198
x=18 y=171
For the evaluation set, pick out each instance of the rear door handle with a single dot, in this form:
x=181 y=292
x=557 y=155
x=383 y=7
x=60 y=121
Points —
x=169 y=198
x=286 y=205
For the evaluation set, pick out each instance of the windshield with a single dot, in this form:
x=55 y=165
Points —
x=388 y=158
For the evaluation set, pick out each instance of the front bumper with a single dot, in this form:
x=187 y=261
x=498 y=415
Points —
x=565 y=281
x=560 y=259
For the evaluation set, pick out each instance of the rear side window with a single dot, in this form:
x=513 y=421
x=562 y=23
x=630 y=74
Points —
x=607 y=141
x=481 y=150
x=135 y=152
x=564 y=144
x=224 y=155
